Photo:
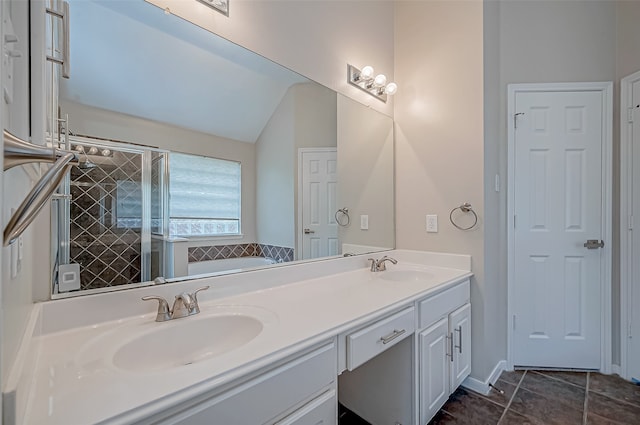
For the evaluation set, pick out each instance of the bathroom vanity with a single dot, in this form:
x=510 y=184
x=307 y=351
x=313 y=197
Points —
x=270 y=346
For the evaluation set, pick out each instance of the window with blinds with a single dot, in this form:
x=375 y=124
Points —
x=204 y=196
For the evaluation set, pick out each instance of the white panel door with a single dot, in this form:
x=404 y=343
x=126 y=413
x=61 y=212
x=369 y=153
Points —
x=633 y=349
x=319 y=187
x=460 y=331
x=558 y=207
x=433 y=369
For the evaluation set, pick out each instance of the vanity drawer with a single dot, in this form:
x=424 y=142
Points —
x=377 y=337
x=267 y=396
x=438 y=306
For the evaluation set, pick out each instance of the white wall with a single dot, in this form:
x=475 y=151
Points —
x=305 y=117
x=275 y=210
x=439 y=143
x=365 y=173
x=318 y=43
x=15 y=293
x=628 y=38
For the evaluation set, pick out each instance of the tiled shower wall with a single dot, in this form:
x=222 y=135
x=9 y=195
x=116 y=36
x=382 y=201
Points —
x=220 y=252
x=103 y=242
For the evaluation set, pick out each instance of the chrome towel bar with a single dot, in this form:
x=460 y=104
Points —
x=20 y=152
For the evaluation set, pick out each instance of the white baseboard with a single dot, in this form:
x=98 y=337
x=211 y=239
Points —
x=616 y=369
x=483 y=387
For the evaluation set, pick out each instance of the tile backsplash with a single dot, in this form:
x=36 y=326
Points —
x=220 y=252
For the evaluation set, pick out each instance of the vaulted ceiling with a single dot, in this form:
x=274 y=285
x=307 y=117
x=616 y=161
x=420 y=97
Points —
x=130 y=57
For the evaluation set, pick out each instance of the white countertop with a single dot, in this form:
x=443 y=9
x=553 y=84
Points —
x=74 y=382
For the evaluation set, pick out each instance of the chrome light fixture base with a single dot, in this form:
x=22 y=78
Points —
x=221 y=6
x=365 y=84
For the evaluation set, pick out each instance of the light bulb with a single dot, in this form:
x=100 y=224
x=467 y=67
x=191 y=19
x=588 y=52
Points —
x=380 y=80
x=106 y=152
x=391 y=89
x=80 y=148
x=93 y=150
x=366 y=73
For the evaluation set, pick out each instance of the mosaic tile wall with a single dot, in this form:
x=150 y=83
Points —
x=107 y=249
x=220 y=252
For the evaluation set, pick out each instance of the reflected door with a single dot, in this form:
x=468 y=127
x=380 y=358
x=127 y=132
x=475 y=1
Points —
x=318 y=199
x=558 y=208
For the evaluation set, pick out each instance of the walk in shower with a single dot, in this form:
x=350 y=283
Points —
x=110 y=216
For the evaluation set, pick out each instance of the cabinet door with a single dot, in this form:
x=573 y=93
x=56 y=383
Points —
x=433 y=369
x=460 y=330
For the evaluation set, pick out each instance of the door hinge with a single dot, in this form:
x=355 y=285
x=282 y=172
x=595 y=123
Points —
x=514 y=221
x=631 y=222
x=515 y=119
x=629 y=330
x=629 y=115
x=514 y=322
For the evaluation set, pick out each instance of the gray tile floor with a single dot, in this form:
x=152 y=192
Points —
x=547 y=397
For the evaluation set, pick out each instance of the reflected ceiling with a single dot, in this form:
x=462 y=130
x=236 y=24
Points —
x=183 y=76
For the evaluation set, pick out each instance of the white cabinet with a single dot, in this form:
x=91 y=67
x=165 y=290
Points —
x=433 y=369
x=460 y=334
x=378 y=337
x=300 y=391
x=444 y=353
x=320 y=411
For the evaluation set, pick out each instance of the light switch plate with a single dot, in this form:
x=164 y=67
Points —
x=432 y=223
x=364 y=222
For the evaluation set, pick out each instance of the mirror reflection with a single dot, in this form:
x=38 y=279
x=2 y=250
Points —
x=199 y=156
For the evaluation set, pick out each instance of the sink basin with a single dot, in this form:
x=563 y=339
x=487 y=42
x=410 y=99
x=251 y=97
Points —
x=405 y=275
x=186 y=341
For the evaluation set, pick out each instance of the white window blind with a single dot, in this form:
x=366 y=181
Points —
x=204 y=196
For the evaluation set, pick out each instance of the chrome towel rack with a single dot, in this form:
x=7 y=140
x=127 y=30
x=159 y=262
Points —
x=342 y=217
x=465 y=208
x=20 y=152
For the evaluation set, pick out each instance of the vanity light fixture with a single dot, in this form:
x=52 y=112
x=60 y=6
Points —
x=93 y=150
x=376 y=86
x=221 y=6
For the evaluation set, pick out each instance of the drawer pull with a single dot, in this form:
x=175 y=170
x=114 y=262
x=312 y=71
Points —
x=393 y=335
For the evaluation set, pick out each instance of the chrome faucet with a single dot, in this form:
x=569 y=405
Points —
x=184 y=305
x=379 y=265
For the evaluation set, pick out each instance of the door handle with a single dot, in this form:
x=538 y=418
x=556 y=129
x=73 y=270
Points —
x=459 y=347
x=593 y=244
x=307 y=231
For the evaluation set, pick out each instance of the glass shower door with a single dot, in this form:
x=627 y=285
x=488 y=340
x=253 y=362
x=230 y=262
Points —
x=117 y=202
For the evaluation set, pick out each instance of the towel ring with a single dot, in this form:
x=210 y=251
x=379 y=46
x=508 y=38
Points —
x=344 y=212
x=465 y=208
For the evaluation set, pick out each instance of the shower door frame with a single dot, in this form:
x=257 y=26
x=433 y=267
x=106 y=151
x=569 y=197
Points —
x=62 y=247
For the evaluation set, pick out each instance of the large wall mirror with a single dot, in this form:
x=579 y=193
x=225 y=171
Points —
x=199 y=156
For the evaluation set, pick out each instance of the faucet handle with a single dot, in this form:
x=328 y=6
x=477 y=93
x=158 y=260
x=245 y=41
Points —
x=380 y=264
x=194 y=296
x=164 y=313
x=374 y=264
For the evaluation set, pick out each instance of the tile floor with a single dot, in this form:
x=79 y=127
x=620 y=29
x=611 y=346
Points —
x=547 y=397
x=540 y=397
